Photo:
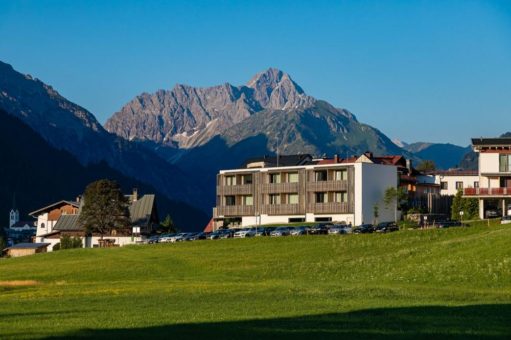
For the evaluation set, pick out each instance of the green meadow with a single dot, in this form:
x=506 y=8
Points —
x=410 y=284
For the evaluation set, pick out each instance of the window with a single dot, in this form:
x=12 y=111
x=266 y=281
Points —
x=274 y=199
x=246 y=179
x=341 y=175
x=230 y=200
x=292 y=199
x=293 y=177
x=505 y=163
x=323 y=219
x=42 y=225
x=459 y=185
x=341 y=197
x=476 y=184
x=444 y=186
x=296 y=219
x=230 y=180
x=248 y=200
x=321 y=175
x=274 y=178
x=321 y=197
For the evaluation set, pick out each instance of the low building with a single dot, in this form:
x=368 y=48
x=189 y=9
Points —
x=494 y=177
x=24 y=249
x=54 y=223
x=451 y=181
x=298 y=188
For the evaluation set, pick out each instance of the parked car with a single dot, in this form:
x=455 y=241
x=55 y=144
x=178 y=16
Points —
x=506 y=220
x=152 y=239
x=227 y=233
x=386 y=227
x=337 y=229
x=493 y=213
x=364 y=229
x=280 y=231
x=164 y=238
x=243 y=233
x=262 y=231
x=318 y=229
x=297 y=231
x=178 y=237
x=214 y=235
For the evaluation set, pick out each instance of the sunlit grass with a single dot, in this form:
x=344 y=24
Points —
x=239 y=281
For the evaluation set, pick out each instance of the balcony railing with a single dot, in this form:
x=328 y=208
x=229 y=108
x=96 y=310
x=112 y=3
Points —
x=235 y=210
x=244 y=189
x=329 y=208
x=270 y=188
x=328 y=186
x=281 y=209
x=487 y=192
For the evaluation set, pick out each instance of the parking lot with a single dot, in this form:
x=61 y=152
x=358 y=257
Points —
x=275 y=231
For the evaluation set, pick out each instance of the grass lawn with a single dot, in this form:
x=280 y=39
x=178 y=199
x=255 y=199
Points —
x=410 y=284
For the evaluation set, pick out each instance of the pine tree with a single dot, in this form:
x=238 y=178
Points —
x=104 y=209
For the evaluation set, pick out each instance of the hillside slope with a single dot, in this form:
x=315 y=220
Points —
x=445 y=155
x=39 y=174
x=67 y=126
x=409 y=284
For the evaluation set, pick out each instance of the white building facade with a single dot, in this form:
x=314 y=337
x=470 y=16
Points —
x=494 y=177
x=453 y=180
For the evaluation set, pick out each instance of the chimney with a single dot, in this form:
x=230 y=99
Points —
x=134 y=196
x=409 y=165
x=369 y=154
x=78 y=199
x=336 y=158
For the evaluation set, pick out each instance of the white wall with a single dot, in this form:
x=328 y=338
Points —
x=468 y=182
x=48 y=225
x=371 y=182
x=488 y=162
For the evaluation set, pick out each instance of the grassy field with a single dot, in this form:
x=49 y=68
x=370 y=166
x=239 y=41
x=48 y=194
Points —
x=410 y=284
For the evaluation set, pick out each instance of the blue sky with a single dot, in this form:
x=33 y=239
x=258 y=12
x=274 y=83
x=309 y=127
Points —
x=435 y=71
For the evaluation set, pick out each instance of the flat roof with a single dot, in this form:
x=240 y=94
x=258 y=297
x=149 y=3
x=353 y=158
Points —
x=501 y=141
x=29 y=246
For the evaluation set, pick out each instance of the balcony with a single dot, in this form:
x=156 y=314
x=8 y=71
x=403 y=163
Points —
x=243 y=189
x=235 y=210
x=329 y=208
x=488 y=192
x=328 y=186
x=277 y=188
x=281 y=209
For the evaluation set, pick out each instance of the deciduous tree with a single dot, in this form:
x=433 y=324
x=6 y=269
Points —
x=104 y=209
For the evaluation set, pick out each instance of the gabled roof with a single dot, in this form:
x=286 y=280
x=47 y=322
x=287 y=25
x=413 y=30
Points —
x=21 y=224
x=52 y=206
x=141 y=210
x=67 y=222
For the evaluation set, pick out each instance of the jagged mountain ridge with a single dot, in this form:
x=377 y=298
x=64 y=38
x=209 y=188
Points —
x=67 y=126
x=186 y=117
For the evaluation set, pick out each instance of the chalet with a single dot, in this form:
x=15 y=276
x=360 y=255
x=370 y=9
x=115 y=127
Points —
x=61 y=218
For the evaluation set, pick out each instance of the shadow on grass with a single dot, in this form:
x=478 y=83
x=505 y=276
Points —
x=476 y=321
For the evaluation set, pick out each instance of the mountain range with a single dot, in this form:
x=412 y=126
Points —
x=176 y=140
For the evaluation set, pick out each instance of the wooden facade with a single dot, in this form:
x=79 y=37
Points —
x=285 y=191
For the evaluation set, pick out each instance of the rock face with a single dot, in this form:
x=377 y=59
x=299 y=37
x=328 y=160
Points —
x=186 y=117
x=67 y=126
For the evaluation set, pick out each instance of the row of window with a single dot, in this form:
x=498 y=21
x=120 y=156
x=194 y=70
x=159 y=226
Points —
x=459 y=185
x=289 y=177
x=505 y=163
x=273 y=199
